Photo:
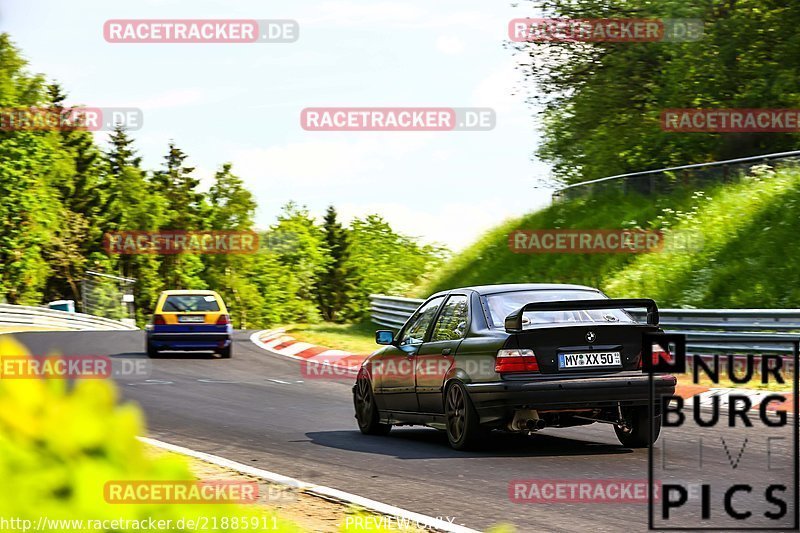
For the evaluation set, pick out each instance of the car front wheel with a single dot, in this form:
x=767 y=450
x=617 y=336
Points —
x=636 y=432
x=366 y=410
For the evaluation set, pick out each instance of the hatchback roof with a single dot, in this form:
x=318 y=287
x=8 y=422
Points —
x=188 y=291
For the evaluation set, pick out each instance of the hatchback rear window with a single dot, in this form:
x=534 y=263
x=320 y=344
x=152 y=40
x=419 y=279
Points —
x=191 y=302
x=503 y=304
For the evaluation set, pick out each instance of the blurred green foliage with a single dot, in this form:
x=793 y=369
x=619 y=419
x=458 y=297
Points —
x=59 y=446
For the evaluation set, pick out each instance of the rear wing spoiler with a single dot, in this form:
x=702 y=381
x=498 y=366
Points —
x=514 y=320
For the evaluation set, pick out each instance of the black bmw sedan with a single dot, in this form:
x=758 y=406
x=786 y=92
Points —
x=517 y=358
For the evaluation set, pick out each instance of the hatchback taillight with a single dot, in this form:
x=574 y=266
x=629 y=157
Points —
x=158 y=320
x=509 y=361
x=223 y=320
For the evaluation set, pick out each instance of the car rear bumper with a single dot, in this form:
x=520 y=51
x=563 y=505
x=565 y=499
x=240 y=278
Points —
x=189 y=341
x=497 y=400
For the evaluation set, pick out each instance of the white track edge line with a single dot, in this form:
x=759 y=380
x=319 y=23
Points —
x=319 y=490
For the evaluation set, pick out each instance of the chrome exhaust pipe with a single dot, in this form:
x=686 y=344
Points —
x=535 y=424
x=527 y=421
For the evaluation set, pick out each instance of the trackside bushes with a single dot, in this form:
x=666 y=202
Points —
x=730 y=246
x=59 y=445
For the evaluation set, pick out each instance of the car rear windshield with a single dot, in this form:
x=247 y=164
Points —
x=186 y=303
x=503 y=304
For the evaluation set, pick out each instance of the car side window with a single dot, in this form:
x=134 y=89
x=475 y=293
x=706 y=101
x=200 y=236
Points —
x=452 y=322
x=414 y=333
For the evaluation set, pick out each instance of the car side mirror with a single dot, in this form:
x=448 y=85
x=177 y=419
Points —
x=384 y=336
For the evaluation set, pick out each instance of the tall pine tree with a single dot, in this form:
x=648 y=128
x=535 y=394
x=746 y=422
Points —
x=179 y=186
x=336 y=282
x=185 y=207
x=133 y=203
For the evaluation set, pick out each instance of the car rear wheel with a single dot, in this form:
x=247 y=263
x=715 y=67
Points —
x=366 y=410
x=225 y=353
x=637 y=432
x=463 y=425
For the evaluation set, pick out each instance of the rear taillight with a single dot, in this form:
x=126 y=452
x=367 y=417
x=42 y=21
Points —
x=223 y=320
x=158 y=320
x=508 y=361
x=659 y=355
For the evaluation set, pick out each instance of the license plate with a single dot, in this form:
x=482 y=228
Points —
x=589 y=360
x=192 y=319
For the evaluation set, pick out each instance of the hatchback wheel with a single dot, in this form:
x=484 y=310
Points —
x=151 y=350
x=366 y=410
x=463 y=425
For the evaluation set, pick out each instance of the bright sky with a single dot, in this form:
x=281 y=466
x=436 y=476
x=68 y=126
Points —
x=242 y=102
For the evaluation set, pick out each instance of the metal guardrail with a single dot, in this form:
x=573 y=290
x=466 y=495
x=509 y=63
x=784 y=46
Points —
x=703 y=327
x=644 y=181
x=392 y=311
x=23 y=315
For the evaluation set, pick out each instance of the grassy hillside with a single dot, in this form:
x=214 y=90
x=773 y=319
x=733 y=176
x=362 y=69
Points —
x=748 y=233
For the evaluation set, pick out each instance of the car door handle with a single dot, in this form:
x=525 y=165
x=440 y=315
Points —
x=446 y=351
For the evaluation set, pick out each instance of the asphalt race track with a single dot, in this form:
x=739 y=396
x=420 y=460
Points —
x=258 y=409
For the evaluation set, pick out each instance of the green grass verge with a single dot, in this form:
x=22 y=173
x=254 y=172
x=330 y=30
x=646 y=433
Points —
x=747 y=231
x=357 y=338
